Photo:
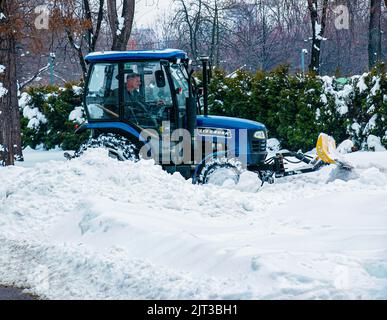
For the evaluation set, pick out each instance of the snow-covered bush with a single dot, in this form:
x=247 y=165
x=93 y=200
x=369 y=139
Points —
x=368 y=109
x=297 y=108
x=49 y=116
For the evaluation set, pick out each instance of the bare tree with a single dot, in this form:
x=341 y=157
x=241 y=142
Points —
x=76 y=19
x=375 y=33
x=121 y=24
x=318 y=29
x=190 y=15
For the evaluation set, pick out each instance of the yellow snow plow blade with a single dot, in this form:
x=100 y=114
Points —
x=326 y=149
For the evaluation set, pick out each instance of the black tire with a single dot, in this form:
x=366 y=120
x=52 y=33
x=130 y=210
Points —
x=118 y=147
x=207 y=173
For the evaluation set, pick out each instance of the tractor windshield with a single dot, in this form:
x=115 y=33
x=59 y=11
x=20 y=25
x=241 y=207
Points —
x=147 y=99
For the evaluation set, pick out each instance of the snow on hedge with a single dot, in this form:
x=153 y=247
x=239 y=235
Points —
x=273 y=145
x=35 y=117
x=77 y=115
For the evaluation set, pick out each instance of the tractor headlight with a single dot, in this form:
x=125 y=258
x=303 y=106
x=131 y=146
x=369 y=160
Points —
x=259 y=135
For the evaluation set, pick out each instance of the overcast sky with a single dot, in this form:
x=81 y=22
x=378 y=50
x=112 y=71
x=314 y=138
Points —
x=147 y=11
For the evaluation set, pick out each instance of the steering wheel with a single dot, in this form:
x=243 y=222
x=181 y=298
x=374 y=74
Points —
x=162 y=109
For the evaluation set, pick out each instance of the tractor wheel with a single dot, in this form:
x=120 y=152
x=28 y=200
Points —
x=218 y=171
x=117 y=146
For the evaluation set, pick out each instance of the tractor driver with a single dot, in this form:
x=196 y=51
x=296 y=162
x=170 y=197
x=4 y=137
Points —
x=133 y=83
x=136 y=109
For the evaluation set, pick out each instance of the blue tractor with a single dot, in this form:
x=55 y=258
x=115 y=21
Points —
x=136 y=101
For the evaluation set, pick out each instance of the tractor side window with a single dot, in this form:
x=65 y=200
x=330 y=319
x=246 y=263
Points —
x=102 y=99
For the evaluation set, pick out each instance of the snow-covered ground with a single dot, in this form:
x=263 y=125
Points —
x=97 y=228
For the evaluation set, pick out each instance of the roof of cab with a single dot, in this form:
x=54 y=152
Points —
x=167 y=54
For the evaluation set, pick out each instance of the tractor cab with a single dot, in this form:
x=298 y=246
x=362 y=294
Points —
x=140 y=88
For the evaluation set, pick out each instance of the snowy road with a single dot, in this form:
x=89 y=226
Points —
x=97 y=228
x=7 y=293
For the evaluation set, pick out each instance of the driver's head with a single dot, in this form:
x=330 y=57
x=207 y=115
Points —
x=133 y=81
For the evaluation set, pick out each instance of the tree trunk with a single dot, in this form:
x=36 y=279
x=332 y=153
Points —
x=375 y=34
x=121 y=31
x=191 y=30
x=10 y=132
x=318 y=28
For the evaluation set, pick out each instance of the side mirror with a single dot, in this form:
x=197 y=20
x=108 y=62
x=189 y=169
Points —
x=160 y=78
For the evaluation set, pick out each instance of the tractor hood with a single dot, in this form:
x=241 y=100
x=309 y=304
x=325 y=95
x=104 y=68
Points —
x=228 y=123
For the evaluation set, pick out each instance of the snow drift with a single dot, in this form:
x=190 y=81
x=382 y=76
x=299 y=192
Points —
x=97 y=228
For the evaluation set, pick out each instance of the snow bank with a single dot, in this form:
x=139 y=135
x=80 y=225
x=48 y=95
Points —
x=345 y=147
x=374 y=143
x=97 y=228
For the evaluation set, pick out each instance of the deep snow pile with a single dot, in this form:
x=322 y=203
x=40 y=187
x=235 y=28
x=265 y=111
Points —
x=97 y=228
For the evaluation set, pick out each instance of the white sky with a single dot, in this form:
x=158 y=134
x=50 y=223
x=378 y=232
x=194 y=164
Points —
x=147 y=11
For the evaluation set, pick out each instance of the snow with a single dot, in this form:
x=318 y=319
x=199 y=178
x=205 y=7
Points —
x=24 y=100
x=345 y=147
x=121 y=23
x=96 y=228
x=374 y=143
x=371 y=124
x=361 y=84
x=356 y=127
x=77 y=115
x=77 y=90
x=376 y=87
x=318 y=30
x=318 y=113
x=35 y=117
x=273 y=145
x=3 y=91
